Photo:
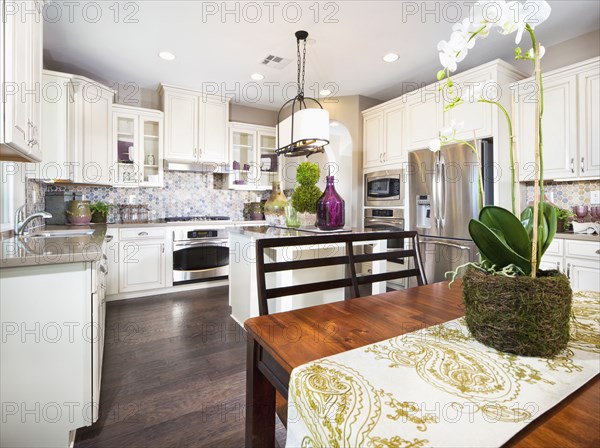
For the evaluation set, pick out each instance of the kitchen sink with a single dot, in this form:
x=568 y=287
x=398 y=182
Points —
x=66 y=233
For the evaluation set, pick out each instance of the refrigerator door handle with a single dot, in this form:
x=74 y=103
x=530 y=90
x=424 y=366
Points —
x=436 y=194
x=442 y=200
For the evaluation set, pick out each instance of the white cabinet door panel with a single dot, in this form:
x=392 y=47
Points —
x=373 y=140
x=181 y=127
x=393 y=149
x=142 y=265
x=214 y=130
x=589 y=122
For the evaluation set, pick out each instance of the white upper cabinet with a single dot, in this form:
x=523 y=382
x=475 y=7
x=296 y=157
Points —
x=181 y=126
x=382 y=133
x=77 y=125
x=476 y=117
x=373 y=140
x=559 y=121
x=394 y=151
x=137 y=146
x=423 y=118
x=21 y=28
x=195 y=125
x=97 y=162
x=570 y=141
x=589 y=116
x=252 y=153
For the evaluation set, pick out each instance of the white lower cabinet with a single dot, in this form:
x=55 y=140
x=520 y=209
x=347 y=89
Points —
x=142 y=259
x=51 y=351
x=579 y=260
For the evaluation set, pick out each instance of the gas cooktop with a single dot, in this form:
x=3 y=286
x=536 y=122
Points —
x=196 y=218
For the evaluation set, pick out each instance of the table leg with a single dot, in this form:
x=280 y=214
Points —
x=260 y=402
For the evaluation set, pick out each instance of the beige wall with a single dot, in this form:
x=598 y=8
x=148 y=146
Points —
x=252 y=115
x=569 y=52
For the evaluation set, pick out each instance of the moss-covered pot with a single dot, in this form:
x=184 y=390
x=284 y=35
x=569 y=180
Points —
x=521 y=315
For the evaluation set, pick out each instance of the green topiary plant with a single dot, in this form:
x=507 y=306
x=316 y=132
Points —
x=306 y=195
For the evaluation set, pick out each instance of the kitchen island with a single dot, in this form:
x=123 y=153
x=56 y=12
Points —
x=243 y=290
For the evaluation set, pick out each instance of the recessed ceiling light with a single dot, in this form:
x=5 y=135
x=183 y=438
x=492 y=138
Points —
x=257 y=76
x=391 y=57
x=325 y=92
x=166 y=55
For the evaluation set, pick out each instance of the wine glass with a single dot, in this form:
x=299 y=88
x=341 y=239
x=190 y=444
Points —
x=580 y=211
x=595 y=212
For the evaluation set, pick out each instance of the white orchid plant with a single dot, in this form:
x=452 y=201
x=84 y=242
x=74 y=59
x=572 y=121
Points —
x=504 y=241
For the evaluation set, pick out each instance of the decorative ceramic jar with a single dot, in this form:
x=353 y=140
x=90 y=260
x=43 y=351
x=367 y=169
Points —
x=330 y=208
x=79 y=213
x=275 y=206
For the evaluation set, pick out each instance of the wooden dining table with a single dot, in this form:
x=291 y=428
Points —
x=278 y=343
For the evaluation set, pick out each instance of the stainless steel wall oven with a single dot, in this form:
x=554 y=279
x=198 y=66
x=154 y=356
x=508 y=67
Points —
x=200 y=255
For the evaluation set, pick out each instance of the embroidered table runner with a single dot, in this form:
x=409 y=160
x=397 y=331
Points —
x=436 y=387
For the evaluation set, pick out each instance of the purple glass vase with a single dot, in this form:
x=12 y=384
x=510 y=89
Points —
x=330 y=208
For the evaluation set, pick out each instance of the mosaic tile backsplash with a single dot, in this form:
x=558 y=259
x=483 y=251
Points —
x=568 y=194
x=184 y=194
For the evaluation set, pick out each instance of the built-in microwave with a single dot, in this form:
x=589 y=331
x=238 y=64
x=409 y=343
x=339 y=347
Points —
x=384 y=188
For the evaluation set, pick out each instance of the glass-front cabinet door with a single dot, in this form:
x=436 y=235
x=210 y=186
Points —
x=138 y=146
x=151 y=156
x=243 y=149
x=269 y=162
x=126 y=169
x=254 y=163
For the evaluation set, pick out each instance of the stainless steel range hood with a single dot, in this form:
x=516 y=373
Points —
x=197 y=167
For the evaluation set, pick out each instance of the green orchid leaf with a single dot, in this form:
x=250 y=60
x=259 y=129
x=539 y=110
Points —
x=508 y=228
x=550 y=214
x=494 y=250
x=527 y=220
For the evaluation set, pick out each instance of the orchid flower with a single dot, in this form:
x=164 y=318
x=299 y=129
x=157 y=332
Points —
x=435 y=145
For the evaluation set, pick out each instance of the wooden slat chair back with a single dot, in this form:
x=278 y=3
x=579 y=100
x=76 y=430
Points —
x=347 y=258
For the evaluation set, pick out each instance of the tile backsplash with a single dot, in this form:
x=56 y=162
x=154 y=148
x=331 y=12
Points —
x=183 y=194
x=568 y=194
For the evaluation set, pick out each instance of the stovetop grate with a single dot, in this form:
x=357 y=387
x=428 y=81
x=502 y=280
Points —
x=196 y=218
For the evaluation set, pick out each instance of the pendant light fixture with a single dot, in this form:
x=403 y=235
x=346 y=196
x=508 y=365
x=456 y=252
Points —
x=306 y=130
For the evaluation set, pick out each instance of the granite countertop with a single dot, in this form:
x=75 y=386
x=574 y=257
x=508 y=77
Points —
x=27 y=250
x=258 y=232
x=161 y=223
x=594 y=237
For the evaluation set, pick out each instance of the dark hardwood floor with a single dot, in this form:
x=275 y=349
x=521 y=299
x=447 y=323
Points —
x=174 y=374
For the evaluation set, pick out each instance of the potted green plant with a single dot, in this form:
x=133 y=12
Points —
x=306 y=194
x=563 y=218
x=509 y=303
x=99 y=211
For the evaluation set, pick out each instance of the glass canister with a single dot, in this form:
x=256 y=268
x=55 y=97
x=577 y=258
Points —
x=275 y=206
x=330 y=208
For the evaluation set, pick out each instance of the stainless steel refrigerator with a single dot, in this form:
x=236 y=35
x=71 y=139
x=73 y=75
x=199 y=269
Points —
x=443 y=197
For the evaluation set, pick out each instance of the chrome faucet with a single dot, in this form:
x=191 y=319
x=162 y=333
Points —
x=20 y=225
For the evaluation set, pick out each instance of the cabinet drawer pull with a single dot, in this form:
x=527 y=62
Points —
x=568 y=270
x=572 y=165
x=108 y=238
x=143 y=234
x=598 y=251
x=582 y=167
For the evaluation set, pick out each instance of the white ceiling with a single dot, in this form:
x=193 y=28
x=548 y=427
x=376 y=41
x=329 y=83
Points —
x=219 y=53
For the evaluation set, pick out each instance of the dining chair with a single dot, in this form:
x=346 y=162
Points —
x=400 y=263
x=344 y=253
